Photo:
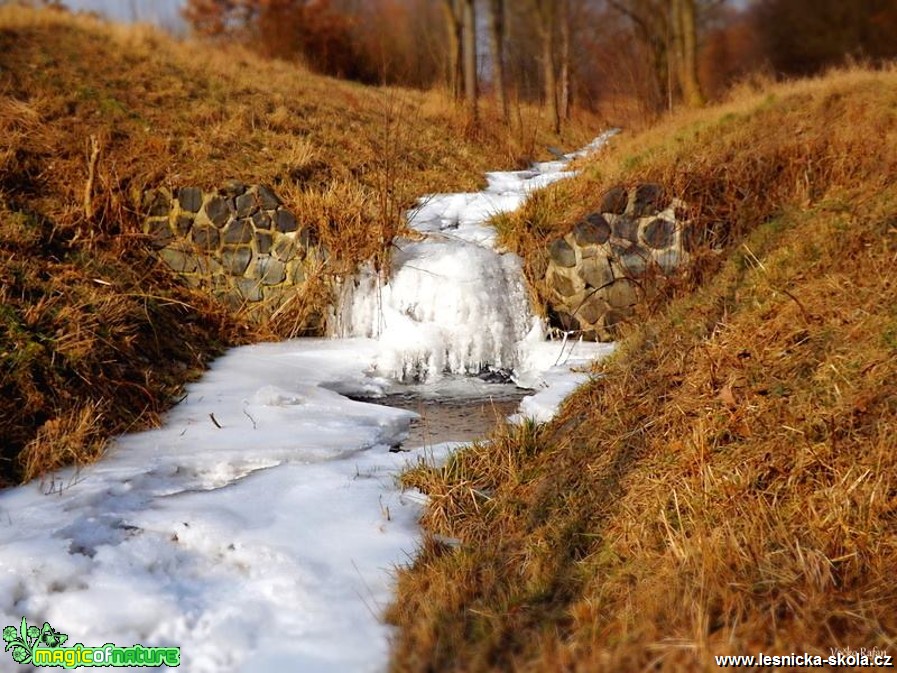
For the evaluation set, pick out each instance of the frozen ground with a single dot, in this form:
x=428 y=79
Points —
x=259 y=527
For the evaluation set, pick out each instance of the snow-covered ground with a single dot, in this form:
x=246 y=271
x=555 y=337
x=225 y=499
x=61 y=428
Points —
x=259 y=528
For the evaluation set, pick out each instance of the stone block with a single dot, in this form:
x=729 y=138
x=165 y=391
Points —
x=561 y=283
x=158 y=203
x=596 y=272
x=159 y=230
x=634 y=261
x=208 y=267
x=206 y=237
x=267 y=270
x=263 y=242
x=238 y=231
x=669 y=260
x=216 y=210
x=614 y=201
x=594 y=230
x=285 y=249
x=590 y=251
x=625 y=228
x=591 y=312
x=180 y=261
x=233 y=188
x=659 y=233
x=190 y=199
x=285 y=221
x=249 y=289
x=562 y=254
x=183 y=224
x=296 y=272
x=268 y=200
x=245 y=204
x=262 y=220
x=236 y=260
x=621 y=294
x=648 y=199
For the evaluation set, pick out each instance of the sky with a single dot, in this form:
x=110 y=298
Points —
x=162 y=12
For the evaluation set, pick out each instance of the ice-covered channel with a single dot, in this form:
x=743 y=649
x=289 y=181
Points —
x=258 y=529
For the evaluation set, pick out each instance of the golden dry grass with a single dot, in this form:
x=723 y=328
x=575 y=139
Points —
x=96 y=336
x=727 y=483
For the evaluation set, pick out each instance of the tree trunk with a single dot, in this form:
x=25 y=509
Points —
x=452 y=11
x=566 y=28
x=471 y=93
x=547 y=10
x=497 y=44
x=686 y=42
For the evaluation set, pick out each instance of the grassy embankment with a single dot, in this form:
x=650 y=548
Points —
x=95 y=336
x=727 y=483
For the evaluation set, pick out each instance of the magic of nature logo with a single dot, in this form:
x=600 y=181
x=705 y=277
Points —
x=45 y=646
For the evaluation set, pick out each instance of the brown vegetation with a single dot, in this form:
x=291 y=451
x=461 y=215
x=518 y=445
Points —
x=726 y=482
x=96 y=337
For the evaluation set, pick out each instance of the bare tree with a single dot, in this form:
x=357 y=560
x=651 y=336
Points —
x=497 y=47
x=546 y=12
x=454 y=23
x=460 y=22
x=669 y=29
x=565 y=59
x=685 y=41
x=471 y=87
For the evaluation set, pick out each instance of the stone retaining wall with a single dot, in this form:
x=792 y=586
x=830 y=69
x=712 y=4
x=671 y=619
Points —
x=238 y=241
x=594 y=274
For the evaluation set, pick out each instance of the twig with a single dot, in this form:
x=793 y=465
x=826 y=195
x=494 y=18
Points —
x=799 y=305
x=254 y=424
x=91 y=176
x=215 y=421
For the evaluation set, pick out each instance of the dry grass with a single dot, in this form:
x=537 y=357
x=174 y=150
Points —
x=727 y=484
x=97 y=337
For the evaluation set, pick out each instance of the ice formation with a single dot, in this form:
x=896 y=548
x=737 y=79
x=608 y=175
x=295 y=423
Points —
x=452 y=303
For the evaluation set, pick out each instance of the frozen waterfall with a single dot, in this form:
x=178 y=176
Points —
x=453 y=303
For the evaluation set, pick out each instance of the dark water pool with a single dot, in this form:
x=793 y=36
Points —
x=454 y=410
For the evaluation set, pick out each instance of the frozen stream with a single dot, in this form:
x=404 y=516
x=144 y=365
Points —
x=258 y=528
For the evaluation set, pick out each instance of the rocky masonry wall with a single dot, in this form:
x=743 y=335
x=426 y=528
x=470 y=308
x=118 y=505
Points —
x=239 y=241
x=594 y=273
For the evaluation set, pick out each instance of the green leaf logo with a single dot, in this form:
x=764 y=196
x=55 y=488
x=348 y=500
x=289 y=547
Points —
x=20 y=642
x=50 y=637
x=10 y=633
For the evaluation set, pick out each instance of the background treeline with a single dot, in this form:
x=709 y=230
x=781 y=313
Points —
x=618 y=56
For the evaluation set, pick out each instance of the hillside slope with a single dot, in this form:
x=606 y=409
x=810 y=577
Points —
x=96 y=336
x=727 y=483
